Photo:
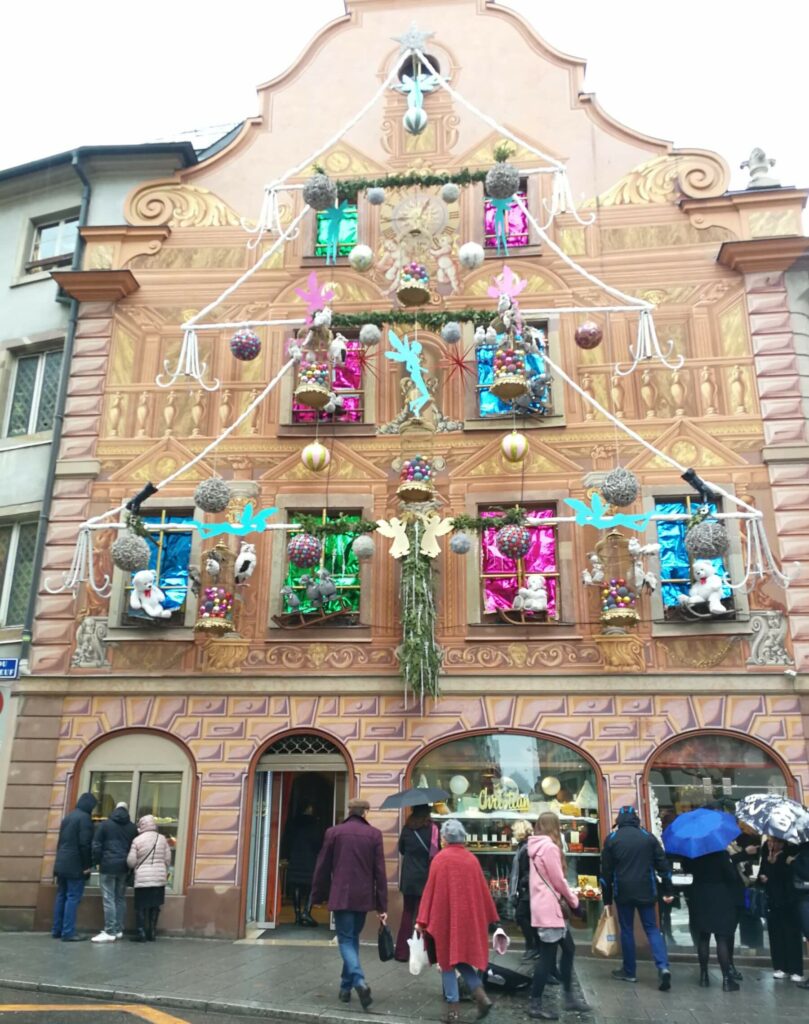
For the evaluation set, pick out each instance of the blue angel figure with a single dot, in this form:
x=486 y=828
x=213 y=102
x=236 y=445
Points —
x=409 y=354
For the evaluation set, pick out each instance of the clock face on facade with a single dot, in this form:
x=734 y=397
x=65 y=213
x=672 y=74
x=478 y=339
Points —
x=419 y=213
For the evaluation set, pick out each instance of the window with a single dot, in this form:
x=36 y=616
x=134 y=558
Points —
x=341 y=220
x=347 y=383
x=33 y=394
x=514 y=218
x=339 y=560
x=675 y=563
x=170 y=557
x=53 y=243
x=17 y=544
x=489 y=405
x=502 y=577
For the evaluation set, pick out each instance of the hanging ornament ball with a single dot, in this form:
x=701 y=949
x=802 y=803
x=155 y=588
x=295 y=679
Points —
x=502 y=180
x=513 y=541
x=320 y=192
x=375 y=195
x=415 y=120
x=707 y=539
x=450 y=192
x=363 y=546
x=471 y=255
x=131 y=552
x=361 y=257
x=370 y=334
x=514 y=446
x=451 y=332
x=620 y=487
x=245 y=345
x=589 y=334
x=304 y=550
x=212 y=495
x=460 y=544
x=316 y=456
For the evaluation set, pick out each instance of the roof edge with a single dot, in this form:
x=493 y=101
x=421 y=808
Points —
x=183 y=149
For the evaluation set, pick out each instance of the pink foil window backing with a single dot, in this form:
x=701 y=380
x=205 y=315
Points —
x=346 y=381
x=516 y=224
x=502 y=576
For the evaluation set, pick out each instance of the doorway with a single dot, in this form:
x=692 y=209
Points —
x=300 y=790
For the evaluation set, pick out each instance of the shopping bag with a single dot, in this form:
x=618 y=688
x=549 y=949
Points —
x=384 y=943
x=605 y=940
x=418 y=954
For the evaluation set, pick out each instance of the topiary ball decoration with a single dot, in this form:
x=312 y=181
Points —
x=471 y=255
x=502 y=180
x=460 y=544
x=130 y=552
x=514 y=446
x=450 y=192
x=315 y=456
x=370 y=334
x=320 y=192
x=245 y=345
x=415 y=120
x=212 y=495
x=375 y=195
x=707 y=539
x=361 y=258
x=620 y=487
x=304 y=550
x=589 y=334
x=451 y=332
x=363 y=547
x=513 y=541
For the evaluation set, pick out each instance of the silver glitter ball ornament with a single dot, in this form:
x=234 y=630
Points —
x=212 y=495
x=707 y=539
x=450 y=192
x=502 y=181
x=471 y=255
x=451 y=332
x=363 y=547
x=620 y=487
x=460 y=544
x=415 y=120
x=320 y=192
x=370 y=334
x=130 y=552
x=375 y=195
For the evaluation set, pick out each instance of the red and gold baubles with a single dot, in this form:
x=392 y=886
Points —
x=245 y=345
x=304 y=550
x=513 y=541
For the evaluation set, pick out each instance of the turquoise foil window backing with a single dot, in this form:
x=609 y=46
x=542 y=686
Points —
x=489 y=404
x=170 y=557
x=675 y=564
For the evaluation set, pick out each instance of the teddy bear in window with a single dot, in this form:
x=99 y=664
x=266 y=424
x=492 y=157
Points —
x=533 y=597
x=146 y=596
x=706 y=588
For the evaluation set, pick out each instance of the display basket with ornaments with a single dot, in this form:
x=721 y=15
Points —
x=313 y=384
x=414 y=285
x=618 y=596
x=416 y=479
x=215 y=613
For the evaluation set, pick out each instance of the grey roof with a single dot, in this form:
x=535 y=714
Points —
x=184 y=150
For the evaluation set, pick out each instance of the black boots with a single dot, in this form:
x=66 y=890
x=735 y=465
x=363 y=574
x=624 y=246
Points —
x=729 y=984
x=140 y=925
x=704 y=977
x=152 y=915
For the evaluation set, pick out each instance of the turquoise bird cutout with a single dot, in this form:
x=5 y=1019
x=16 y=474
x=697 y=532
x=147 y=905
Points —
x=249 y=522
x=595 y=515
x=409 y=353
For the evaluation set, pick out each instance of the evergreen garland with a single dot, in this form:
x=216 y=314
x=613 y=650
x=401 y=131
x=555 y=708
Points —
x=348 y=188
x=512 y=517
x=429 y=320
x=419 y=655
x=333 y=527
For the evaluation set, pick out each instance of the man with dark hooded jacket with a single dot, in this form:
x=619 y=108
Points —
x=631 y=860
x=72 y=866
x=110 y=846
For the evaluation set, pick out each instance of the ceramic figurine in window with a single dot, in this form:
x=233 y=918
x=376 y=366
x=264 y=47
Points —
x=706 y=588
x=146 y=596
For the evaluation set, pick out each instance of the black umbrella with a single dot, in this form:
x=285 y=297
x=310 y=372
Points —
x=414 y=797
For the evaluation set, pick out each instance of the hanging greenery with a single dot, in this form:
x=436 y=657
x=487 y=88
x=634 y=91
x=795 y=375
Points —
x=380 y=317
x=340 y=525
x=511 y=517
x=348 y=188
x=419 y=655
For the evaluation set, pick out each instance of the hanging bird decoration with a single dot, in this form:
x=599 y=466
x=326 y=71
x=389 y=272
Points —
x=246 y=561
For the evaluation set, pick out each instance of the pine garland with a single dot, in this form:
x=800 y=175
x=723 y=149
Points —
x=419 y=655
x=512 y=517
x=429 y=320
x=333 y=527
x=347 y=188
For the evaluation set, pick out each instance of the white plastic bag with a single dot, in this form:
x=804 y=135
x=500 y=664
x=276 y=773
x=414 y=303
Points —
x=500 y=942
x=418 y=954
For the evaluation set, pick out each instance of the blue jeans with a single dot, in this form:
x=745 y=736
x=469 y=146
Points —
x=113 y=898
x=449 y=980
x=626 y=919
x=349 y=925
x=69 y=892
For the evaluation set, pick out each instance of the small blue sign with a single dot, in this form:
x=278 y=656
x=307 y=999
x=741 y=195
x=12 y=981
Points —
x=9 y=668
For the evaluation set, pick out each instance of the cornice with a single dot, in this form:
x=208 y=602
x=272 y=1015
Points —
x=96 y=285
x=756 y=255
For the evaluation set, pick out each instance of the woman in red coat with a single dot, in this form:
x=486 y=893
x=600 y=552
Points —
x=456 y=910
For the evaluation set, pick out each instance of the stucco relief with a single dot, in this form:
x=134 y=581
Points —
x=179 y=206
x=768 y=645
x=667 y=178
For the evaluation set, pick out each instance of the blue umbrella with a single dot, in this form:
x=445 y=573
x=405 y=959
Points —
x=697 y=833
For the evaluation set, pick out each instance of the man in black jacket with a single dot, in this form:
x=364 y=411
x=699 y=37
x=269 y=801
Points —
x=110 y=846
x=72 y=866
x=630 y=861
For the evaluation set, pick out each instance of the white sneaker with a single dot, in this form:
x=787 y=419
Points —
x=778 y=975
x=103 y=937
x=119 y=935
x=796 y=977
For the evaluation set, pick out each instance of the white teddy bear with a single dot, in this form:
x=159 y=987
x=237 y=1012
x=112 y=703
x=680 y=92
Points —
x=706 y=588
x=147 y=596
x=533 y=597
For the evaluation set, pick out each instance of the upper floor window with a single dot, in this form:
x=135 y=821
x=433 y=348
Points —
x=502 y=577
x=676 y=565
x=346 y=383
x=488 y=405
x=33 y=393
x=332 y=587
x=170 y=558
x=53 y=243
x=514 y=221
x=17 y=545
x=336 y=227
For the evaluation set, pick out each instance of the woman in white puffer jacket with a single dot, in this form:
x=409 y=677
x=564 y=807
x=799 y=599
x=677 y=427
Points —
x=150 y=858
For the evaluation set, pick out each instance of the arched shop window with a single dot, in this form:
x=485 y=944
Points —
x=151 y=775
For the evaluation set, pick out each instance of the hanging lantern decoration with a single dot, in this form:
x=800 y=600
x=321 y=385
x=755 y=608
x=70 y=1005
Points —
x=130 y=552
x=513 y=541
x=363 y=546
x=304 y=550
x=416 y=479
x=375 y=195
x=589 y=334
x=620 y=487
x=316 y=456
x=471 y=255
x=414 y=285
x=450 y=192
x=509 y=380
x=370 y=334
x=618 y=596
x=320 y=192
x=415 y=120
x=313 y=384
x=212 y=495
x=460 y=544
x=514 y=446
x=245 y=345
x=503 y=179
x=361 y=258
x=451 y=332
x=707 y=538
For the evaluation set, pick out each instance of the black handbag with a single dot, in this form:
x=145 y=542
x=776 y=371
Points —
x=384 y=943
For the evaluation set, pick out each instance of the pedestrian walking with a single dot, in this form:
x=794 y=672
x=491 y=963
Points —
x=800 y=884
x=518 y=888
x=455 y=911
x=551 y=900
x=783 y=923
x=631 y=861
x=418 y=844
x=72 y=867
x=713 y=909
x=150 y=858
x=301 y=844
x=111 y=843
x=350 y=875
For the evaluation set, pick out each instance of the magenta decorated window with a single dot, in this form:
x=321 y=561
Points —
x=501 y=577
x=516 y=224
x=346 y=383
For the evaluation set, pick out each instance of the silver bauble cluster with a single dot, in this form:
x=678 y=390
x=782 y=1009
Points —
x=620 y=487
x=130 y=552
x=707 y=539
x=212 y=495
x=320 y=192
x=502 y=180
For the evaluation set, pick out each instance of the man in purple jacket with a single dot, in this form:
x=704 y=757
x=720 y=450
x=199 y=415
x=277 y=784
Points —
x=350 y=874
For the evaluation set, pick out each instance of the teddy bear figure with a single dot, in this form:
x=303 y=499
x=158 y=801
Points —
x=706 y=588
x=533 y=597
x=147 y=596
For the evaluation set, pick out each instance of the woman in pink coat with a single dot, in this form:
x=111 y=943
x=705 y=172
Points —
x=551 y=901
x=150 y=858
